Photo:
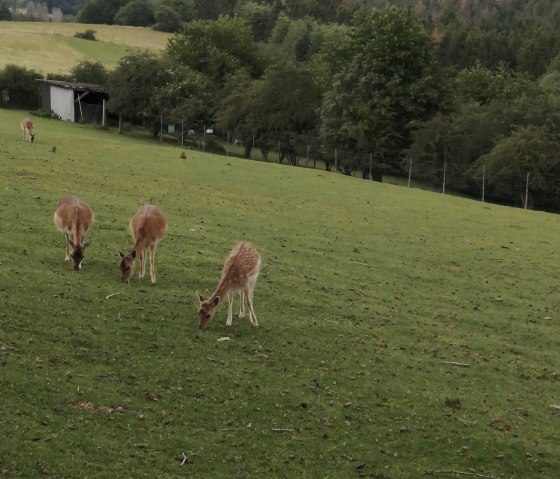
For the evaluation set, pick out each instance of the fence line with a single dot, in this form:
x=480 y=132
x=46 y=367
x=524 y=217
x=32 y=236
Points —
x=351 y=163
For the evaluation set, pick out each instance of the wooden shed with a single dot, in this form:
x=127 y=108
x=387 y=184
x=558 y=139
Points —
x=75 y=102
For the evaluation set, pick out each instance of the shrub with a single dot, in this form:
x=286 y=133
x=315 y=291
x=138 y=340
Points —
x=89 y=34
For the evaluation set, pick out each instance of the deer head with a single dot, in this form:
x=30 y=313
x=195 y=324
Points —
x=127 y=265
x=206 y=310
x=77 y=253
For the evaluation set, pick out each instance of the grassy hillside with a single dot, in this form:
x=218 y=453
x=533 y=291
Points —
x=52 y=47
x=402 y=332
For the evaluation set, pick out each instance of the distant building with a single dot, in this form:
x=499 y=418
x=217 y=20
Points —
x=75 y=102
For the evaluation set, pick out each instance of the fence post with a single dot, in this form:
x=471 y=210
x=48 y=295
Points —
x=444 y=175
x=161 y=128
x=182 y=133
x=483 y=181
x=227 y=144
x=278 y=153
x=370 y=166
x=409 y=172
x=253 y=149
x=307 y=157
x=527 y=191
x=204 y=137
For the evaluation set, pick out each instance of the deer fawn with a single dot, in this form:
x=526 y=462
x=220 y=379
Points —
x=74 y=218
x=147 y=227
x=240 y=273
x=27 y=128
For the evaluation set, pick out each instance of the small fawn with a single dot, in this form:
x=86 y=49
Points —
x=240 y=273
x=147 y=227
x=74 y=218
x=27 y=128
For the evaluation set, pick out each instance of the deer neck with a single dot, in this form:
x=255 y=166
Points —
x=139 y=246
x=222 y=290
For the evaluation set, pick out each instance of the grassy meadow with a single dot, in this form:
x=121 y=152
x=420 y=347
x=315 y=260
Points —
x=52 y=47
x=402 y=333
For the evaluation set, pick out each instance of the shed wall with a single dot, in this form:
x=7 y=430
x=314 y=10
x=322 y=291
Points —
x=62 y=103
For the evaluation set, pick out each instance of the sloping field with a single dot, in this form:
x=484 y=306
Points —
x=403 y=333
x=52 y=47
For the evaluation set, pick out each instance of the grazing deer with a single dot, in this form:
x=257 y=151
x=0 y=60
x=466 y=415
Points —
x=240 y=273
x=147 y=227
x=27 y=128
x=74 y=218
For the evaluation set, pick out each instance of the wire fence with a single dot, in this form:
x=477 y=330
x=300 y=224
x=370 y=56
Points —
x=444 y=178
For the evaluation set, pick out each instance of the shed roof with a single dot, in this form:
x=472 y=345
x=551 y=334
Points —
x=80 y=87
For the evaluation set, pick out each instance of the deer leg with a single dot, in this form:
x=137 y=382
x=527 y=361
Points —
x=230 y=308
x=241 y=304
x=252 y=316
x=68 y=251
x=153 y=264
x=142 y=264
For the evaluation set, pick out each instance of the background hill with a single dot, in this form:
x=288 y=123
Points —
x=52 y=47
x=403 y=333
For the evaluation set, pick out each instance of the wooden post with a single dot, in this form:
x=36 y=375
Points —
x=161 y=128
x=444 y=175
x=103 y=118
x=253 y=149
x=307 y=157
x=203 y=137
x=120 y=123
x=409 y=171
x=227 y=144
x=483 y=180
x=278 y=152
x=182 y=134
x=527 y=191
x=370 y=166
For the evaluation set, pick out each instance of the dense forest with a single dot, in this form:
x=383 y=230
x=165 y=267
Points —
x=468 y=90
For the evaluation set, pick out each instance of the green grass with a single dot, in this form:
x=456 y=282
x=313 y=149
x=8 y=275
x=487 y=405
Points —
x=52 y=47
x=367 y=292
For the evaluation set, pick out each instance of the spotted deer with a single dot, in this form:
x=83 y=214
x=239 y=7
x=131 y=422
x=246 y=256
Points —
x=74 y=218
x=240 y=273
x=147 y=227
x=27 y=128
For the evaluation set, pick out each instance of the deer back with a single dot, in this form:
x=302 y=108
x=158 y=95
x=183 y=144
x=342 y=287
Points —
x=148 y=225
x=74 y=217
x=242 y=263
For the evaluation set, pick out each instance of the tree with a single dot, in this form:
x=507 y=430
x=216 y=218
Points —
x=132 y=85
x=216 y=48
x=384 y=77
x=5 y=13
x=90 y=72
x=100 y=11
x=19 y=87
x=137 y=13
x=167 y=19
x=260 y=18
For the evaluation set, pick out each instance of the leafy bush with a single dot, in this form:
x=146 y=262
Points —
x=89 y=34
x=19 y=87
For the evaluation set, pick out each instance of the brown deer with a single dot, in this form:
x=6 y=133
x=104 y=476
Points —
x=240 y=273
x=27 y=128
x=74 y=218
x=147 y=227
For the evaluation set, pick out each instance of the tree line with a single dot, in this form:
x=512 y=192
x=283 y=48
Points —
x=392 y=84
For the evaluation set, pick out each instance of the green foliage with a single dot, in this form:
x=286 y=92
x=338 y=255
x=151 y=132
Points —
x=5 y=12
x=384 y=78
x=137 y=13
x=132 y=85
x=19 y=87
x=216 y=48
x=100 y=11
x=167 y=19
x=260 y=17
x=89 y=34
x=90 y=72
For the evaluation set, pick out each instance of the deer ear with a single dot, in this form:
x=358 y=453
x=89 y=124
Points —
x=69 y=241
x=133 y=254
x=201 y=299
x=121 y=254
x=215 y=302
x=87 y=244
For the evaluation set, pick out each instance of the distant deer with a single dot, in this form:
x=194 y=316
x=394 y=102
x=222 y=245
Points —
x=147 y=227
x=27 y=128
x=240 y=273
x=74 y=218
